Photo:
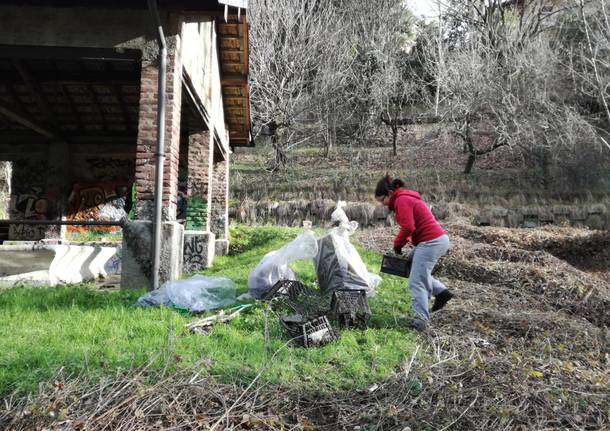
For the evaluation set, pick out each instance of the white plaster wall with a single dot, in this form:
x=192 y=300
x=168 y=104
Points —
x=202 y=62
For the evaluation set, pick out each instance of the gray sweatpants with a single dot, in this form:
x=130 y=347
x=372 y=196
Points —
x=423 y=286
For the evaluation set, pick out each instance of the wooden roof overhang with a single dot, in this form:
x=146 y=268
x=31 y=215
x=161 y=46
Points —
x=68 y=94
x=73 y=94
x=233 y=53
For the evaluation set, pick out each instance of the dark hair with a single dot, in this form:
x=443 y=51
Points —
x=387 y=185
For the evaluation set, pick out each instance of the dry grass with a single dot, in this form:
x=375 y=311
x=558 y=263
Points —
x=526 y=345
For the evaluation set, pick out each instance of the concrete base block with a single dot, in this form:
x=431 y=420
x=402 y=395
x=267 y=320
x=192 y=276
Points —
x=222 y=247
x=137 y=253
x=199 y=250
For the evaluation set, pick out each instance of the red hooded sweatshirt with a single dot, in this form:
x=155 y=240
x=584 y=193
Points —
x=416 y=221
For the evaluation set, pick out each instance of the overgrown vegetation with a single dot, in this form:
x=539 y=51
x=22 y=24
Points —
x=523 y=346
x=82 y=330
x=539 y=101
x=352 y=174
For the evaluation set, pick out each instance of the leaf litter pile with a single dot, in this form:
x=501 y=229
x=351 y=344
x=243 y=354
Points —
x=525 y=345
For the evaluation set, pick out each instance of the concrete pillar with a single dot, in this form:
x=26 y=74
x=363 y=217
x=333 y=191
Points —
x=219 y=221
x=58 y=184
x=136 y=263
x=147 y=134
x=199 y=250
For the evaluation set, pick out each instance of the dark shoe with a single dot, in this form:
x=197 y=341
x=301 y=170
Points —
x=418 y=324
x=441 y=300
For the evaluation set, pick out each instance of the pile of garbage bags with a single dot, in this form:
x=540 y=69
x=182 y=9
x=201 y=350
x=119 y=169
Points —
x=338 y=267
x=337 y=262
x=196 y=294
x=275 y=265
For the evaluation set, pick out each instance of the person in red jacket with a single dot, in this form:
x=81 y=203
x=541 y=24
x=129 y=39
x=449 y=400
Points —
x=419 y=227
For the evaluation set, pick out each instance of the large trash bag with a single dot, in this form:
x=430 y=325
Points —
x=338 y=264
x=196 y=294
x=274 y=265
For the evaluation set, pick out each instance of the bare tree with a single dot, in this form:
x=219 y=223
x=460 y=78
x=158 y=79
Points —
x=592 y=67
x=501 y=84
x=290 y=39
x=318 y=69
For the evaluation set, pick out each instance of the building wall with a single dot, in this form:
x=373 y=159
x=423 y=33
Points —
x=95 y=183
x=201 y=62
x=94 y=178
x=219 y=217
x=31 y=197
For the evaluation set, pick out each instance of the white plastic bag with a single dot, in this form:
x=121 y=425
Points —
x=196 y=294
x=274 y=265
x=338 y=264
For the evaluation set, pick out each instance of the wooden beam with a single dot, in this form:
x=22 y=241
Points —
x=26 y=122
x=118 y=94
x=234 y=80
x=75 y=112
x=35 y=89
x=97 y=107
x=194 y=102
x=75 y=138
x=72 y=53
x=17 y=102
x=77 y=77
x=116 y=90
x=96 y=102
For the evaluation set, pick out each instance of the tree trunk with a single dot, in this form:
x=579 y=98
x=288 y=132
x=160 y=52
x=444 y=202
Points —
x=470 y=163
x=394 y=137
x=472 y=151
x=280 y=153
x=328 y=146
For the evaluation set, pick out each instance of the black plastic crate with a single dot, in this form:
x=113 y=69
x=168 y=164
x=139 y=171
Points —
x=396 y=265
x=311 y=333
x=291 y=289
x=350 y=308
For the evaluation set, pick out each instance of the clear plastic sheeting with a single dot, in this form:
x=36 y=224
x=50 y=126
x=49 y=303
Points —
x=196 y=294
x=275 y=265
x=338 y=264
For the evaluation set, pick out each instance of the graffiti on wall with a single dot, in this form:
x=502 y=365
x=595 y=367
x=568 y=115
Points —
x=106 y=200
x=36 y=204
x=113 y=265
x=28 y=173
x=193 y=257
x=196 y=214
x=106 y=168
x=24 y=232
x=31 y=199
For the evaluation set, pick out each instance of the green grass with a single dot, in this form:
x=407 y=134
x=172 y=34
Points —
x=81 y=329
x=95 y=235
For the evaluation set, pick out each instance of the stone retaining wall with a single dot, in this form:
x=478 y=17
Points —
x=293 y=213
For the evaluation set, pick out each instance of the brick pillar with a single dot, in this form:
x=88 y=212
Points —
x=199 y=192
x=147 y=134
x=199 y=242
x=219 y=223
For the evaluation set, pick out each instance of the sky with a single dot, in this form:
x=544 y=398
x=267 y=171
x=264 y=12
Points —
x=427 y=8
